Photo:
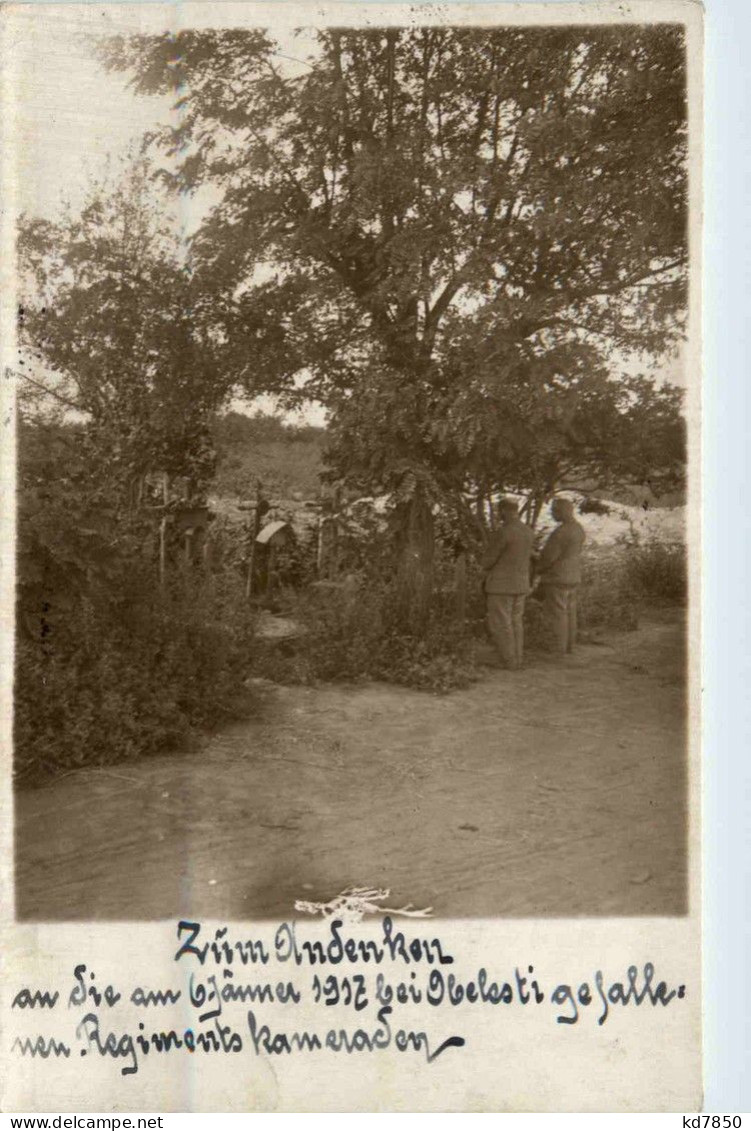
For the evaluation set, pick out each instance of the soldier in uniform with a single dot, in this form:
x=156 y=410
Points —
x=559 y=571
x=506 y=562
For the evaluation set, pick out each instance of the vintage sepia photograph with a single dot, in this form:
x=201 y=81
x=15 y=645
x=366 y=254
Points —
x=355 y=406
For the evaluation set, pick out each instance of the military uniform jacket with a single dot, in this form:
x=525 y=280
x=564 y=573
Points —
x=507 y=558
x=560 y=560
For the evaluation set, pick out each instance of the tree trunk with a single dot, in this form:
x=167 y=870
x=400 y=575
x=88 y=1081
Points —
x=254 y=527
x=415 y=545
x=536 y=503
x=162 y=551
x=460 y=588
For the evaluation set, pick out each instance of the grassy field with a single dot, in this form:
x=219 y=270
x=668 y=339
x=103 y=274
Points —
x=285 y=459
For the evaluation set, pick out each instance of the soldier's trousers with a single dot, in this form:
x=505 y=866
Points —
x=560 y=615
x=506 y=626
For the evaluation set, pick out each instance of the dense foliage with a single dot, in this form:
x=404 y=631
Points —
x=117 y=383
x=109 y=666
x=452 y=231
x=110 y=322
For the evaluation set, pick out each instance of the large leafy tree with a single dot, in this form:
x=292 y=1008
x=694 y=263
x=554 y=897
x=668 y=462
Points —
x=118 y=377
x=111 y=328
x=573 y=426
x=432 y=219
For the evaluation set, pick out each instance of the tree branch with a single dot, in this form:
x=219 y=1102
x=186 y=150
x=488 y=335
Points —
x=45 y=389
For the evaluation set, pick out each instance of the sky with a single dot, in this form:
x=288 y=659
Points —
x=71 y=118
x=74 y=122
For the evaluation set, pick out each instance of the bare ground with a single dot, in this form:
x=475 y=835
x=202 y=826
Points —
x=559 y=790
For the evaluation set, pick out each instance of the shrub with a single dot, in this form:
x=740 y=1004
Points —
x=658 y=571
x=606 y=597
x=108 y=665
x=112 y=681
x=353 y=635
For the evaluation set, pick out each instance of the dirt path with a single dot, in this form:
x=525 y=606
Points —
x=557 y=790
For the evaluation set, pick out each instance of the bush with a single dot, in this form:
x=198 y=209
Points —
x=114 y=681
x=108 y=665
x=658 y=571
x=606 y=597
x=353 y=636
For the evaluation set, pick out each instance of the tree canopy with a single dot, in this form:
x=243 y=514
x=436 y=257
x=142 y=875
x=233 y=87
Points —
x=433 y=219
x=110 y=320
